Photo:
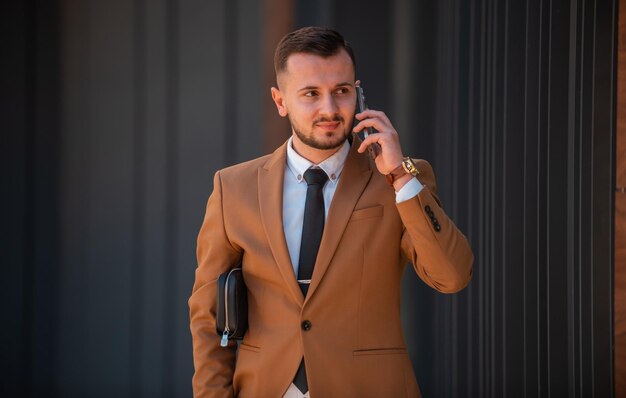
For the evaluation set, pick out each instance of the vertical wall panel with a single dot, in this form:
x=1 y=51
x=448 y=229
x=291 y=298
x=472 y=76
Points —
x=513 y=200
x=109 y=191
x=44 y=283
x=151 y=71
x=619 y=283
x=604 y=88
x=368 y=28
x=203 y=136
x=74 y=171
x=139 y=196
x=277 y=20
x=403 y=64
x=16 y=168
x=247 y=87
x=104 y=181
x=531 y=207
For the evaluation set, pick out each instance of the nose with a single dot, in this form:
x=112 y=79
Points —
x=329 y=107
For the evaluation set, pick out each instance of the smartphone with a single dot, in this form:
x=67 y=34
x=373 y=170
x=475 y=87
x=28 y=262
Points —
x=374 y=149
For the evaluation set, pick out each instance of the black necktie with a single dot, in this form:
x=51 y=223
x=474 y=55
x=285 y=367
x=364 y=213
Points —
x=312 y=229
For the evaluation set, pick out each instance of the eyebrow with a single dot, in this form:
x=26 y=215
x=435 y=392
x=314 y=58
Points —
x=336 y=86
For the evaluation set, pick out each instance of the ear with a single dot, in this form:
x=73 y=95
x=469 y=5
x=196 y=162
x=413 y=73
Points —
x=277 y=96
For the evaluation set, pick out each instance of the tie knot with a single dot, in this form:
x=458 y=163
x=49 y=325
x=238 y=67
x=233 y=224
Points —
x=315 y=176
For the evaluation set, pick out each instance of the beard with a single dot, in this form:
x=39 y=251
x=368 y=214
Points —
x=309 y=138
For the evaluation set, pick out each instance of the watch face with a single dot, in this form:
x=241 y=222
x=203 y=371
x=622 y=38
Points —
x=409 y=166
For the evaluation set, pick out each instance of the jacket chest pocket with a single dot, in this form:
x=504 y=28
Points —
x=368 y=212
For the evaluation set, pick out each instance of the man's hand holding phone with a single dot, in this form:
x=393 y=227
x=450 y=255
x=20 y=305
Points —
x=390 y=154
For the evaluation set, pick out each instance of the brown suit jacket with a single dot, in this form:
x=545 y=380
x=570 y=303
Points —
x=355 y=347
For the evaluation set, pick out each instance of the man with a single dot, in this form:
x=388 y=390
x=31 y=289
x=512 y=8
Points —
x=323 y=308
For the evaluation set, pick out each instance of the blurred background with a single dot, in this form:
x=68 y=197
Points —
x=116 y=114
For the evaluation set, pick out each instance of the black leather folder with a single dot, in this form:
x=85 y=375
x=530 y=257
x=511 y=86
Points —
x=232 y=306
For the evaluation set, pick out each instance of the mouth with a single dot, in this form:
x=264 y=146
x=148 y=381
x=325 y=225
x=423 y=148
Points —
x=328 y=126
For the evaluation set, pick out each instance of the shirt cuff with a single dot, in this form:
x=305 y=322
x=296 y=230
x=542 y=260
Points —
x=409 y=190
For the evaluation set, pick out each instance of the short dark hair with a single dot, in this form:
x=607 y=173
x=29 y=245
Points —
x=312 y=40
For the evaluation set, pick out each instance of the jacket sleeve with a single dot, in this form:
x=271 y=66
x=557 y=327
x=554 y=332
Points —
x=214 y=365
x=440 y=253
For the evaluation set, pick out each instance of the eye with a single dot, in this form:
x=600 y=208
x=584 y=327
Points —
x=342 y=90
x=310 y=93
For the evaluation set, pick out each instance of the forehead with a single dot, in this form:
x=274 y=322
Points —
x=313 y=70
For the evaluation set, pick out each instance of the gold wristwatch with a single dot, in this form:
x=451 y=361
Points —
x=406 y=167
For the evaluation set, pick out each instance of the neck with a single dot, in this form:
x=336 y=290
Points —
x=313 y=155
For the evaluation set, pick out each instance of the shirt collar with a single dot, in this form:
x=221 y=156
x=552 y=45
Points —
x=331 y=166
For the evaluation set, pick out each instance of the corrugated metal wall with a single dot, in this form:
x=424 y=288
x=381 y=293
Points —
x=118 y=113
x=523 y=144
x=148 y=94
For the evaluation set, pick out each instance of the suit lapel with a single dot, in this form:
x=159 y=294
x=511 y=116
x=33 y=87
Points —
x=354 y=178
x=271 y=177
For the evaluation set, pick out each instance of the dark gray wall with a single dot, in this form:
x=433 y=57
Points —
x=116 y=114
x=29 y=164
x=148 y=90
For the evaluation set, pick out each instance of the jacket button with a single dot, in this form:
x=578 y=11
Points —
x=306 y=326
x=427 y=208
x=437 y=227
